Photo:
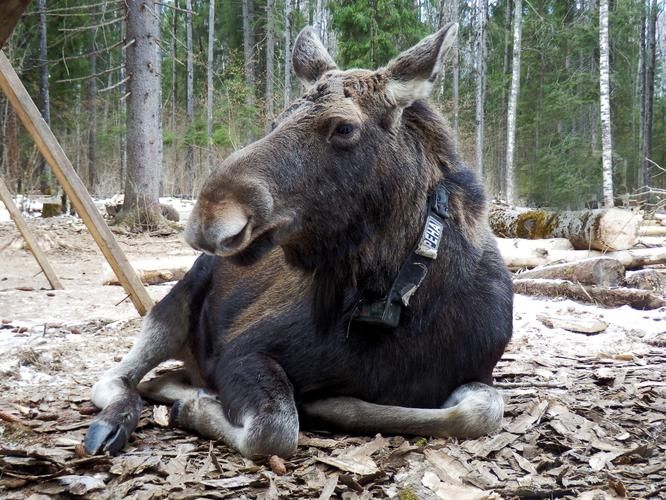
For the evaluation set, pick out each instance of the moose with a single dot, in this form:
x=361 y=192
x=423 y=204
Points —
x=348 y=278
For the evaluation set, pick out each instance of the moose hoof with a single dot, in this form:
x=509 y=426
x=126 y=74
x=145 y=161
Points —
x=111 y=430
x=175 y=413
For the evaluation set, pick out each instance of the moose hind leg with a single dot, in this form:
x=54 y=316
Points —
x=472 y=410
x=255 y=414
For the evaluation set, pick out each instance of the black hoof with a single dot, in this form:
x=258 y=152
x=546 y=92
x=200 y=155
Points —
x=111 y=430
x=175 y=413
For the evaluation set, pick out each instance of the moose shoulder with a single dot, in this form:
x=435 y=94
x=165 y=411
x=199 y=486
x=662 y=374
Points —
x=349 y=278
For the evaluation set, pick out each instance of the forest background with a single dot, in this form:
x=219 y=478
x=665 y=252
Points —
x=225 y=74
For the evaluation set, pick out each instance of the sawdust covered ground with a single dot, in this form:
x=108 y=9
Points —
x=584 y=419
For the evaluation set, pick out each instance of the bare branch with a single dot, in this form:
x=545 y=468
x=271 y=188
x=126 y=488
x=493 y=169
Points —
x=111 y=87
x=87 y=77
x=95 y=26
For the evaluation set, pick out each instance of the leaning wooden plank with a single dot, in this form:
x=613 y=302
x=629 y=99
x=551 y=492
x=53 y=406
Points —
x=16 y=216
x=52 y=152
x=610 y=297
x=598 y=271
x=630 y=259
x=10 y=13
x=154 y=271
x=604 y=229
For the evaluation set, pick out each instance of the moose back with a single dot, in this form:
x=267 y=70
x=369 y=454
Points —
x=349 y=278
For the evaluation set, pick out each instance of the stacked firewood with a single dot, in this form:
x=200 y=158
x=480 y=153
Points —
x=611 y=257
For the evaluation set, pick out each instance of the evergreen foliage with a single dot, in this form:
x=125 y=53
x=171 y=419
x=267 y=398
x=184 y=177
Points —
x=558 y=144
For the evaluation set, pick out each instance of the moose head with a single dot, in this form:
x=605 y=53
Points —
x=336 y=160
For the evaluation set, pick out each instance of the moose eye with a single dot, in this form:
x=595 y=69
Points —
x=344 y=129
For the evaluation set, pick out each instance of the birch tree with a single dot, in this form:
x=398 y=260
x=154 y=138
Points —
x=650 y=55
x=92 y=116
x=604 y=89
x=270 y=50
x=513 y=103
x=482 y=7
x=287 y=53
x=248 y=50
x=141 y=208
x=189 y=155
x=209 y=74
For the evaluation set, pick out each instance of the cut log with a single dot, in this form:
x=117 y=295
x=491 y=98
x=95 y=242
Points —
x=598 y=271
x=647 y=279
x=153 y=272
x=630 y=259
x=652 y=230
x=610 y=297
x=604 y=229
x=589 y=326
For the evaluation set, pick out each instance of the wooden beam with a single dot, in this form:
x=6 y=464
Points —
x=10 y=13
x=15 y=214
x=52 y=152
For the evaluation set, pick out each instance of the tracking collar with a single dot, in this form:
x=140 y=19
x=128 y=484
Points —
x=385 y=311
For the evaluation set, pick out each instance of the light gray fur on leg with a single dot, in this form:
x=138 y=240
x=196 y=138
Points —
x=162 y=338
x=259 y=435
x=472 y=410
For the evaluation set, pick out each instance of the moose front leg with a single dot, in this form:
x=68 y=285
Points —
x=472 y=410
x=163 y=335
x=255 y=412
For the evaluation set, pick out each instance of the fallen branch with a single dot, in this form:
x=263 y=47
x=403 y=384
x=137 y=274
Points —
x=610 y=297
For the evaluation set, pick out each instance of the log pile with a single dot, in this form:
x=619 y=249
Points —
x=588 y=256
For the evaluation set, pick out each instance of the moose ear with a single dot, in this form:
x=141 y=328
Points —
x=310 y=58
x=412 y=73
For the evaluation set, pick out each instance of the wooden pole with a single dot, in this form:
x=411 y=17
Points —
x=15 y=214
x=52 y=151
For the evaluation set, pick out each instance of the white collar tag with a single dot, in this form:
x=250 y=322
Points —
x=432 y=235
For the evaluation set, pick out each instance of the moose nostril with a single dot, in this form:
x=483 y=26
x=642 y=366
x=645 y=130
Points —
x=235 y=240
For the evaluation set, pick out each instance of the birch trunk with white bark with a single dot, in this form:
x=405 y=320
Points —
x=513 y=104
x=604 y=88
x=209 y=81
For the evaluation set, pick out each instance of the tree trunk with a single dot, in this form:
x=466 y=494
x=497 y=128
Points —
x=597 y=271
x=270 y=49
x=141 y=208
x=287 y=53
x=92 y=116
x=604 y=229
x=650 y=61
x=45 y=179
x=13 y=149
x=174 y=86
x=609 y=297
x=209 y=100
x=480 y=81
x=123 y=104
x=248 y=50
x=604 y=88
x=318 y=23
x=513 y=105
x=189 y=155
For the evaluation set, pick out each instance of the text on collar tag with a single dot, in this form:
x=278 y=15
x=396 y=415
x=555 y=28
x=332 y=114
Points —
x=432 y=235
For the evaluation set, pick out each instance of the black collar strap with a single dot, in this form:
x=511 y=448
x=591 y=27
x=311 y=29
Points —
x=386 y=310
